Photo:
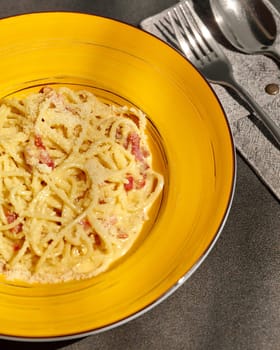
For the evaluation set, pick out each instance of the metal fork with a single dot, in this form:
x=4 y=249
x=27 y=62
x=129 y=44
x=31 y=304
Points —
x=204 y=52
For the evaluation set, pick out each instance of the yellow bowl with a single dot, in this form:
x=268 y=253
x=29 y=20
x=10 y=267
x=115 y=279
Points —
x=193 y=148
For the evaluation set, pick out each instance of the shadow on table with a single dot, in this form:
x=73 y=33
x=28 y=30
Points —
x=14 y=345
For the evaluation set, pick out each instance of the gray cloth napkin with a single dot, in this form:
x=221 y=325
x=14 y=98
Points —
x=254 y=73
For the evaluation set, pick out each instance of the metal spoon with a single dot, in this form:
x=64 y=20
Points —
x=248 y=25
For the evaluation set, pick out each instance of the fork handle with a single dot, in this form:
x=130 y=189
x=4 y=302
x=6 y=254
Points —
x=255 y=108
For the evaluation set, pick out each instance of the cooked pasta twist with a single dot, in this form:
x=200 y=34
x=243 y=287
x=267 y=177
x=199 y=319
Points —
x=76 y=181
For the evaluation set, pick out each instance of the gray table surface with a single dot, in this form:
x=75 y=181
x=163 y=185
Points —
x=233 y=300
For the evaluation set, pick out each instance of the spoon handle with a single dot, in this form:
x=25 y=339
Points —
x=274 y=54
x=255 y=108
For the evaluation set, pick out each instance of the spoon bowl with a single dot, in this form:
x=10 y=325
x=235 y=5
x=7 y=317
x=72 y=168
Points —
x=248 y=25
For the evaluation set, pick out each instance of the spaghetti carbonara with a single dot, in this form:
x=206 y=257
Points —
x=76 y=182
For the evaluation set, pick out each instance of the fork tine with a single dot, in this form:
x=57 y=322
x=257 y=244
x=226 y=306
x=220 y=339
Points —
x=187 y=15
x=182 y=41
x=188 y=41
x=165 y=29
x=201 y=32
